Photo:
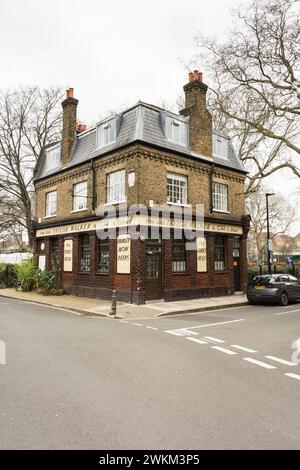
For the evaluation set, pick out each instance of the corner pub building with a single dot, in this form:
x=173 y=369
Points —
x=144 y=155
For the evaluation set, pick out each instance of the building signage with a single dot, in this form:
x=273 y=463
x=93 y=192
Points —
x=42 y=262
x=68 y=255
x=123 y=254
x=140 y=220
x=201 y=255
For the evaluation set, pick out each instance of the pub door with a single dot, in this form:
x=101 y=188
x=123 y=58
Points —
x=236 y=264
x=153 y=278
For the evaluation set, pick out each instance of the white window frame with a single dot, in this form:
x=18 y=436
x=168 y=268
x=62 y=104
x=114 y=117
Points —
x=116 y=187
x=220 y=146
x=220 y=197
x=52 y=157
x=50 y=204
x=106 y=132
x=172 y=124
x=80 y=193
x=177 y=189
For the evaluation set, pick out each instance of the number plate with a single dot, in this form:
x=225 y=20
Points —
x=259 y=287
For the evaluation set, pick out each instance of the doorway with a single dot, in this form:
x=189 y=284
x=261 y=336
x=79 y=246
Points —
x=236 y=264
x=153 y=276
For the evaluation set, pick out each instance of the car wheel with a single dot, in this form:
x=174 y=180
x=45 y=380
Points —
x=284 y=299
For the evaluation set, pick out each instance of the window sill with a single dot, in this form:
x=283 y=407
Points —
x=84 y=272
x=98 y=273
x=222 y=272
x=221 y=212
x=114 y=203
x=78 y=210
x=178 y=204
x=50 y=216
x=180 y=273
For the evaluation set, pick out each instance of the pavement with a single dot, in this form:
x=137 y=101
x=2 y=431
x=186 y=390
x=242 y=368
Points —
x=96 y=307
x=223 y=379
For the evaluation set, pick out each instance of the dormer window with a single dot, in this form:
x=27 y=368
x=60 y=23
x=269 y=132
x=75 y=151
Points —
x=220 y=146
x=52 y=156
x=106 y=132
x=176 y=131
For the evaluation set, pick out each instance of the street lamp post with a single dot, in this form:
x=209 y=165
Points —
x=268 y=232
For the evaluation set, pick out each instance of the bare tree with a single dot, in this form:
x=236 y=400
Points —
x=30 y=118
x=281 y=217
x=255 y=89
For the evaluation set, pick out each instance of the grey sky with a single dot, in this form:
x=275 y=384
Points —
x=112 y=53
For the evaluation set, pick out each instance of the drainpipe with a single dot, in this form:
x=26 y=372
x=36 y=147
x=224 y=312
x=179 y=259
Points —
x=211 y=187
x=94 y=193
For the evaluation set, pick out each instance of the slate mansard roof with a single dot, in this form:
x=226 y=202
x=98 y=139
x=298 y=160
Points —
x=141 y=123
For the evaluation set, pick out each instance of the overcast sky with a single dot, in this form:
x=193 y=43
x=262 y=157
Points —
x=112 y=52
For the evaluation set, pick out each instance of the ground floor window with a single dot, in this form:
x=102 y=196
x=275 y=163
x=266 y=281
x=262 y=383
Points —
x=55 y=258
x=179 y=263
x=84 y=253
x=220 y=253
x=103 y=256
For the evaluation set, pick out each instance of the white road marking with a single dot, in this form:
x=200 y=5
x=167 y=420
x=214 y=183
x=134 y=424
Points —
x=181 y=332
x=123 y=321
x=213 y=324
x=173 y=333
x=196 y=340
x=282 y=361
x=151 y=327
x=137 y=324
x=259 y=363
x=242 y=348
x=226 y=351
x=216 y=340
x=288 y=311
x=294 y=376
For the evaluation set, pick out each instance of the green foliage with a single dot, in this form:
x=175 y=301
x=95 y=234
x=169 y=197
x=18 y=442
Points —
x=8 y=275
x=26 y=275
x=283 y=269
x=48 y=282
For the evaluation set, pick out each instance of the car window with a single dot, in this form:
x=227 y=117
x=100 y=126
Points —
x=284 y=279
x=293 y=279
x=263 y=281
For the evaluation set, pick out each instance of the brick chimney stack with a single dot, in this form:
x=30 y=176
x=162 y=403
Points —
x=69 y=125
x=200 y=119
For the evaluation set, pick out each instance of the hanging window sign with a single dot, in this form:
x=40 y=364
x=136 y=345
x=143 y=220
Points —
x=123 y=254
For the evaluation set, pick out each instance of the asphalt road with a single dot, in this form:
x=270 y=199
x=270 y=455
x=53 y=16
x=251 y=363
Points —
x=73 y=382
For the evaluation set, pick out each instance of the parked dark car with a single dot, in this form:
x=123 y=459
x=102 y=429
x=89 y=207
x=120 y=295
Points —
x=273 y=288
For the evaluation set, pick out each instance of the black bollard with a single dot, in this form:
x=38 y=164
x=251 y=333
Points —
x=113 y=311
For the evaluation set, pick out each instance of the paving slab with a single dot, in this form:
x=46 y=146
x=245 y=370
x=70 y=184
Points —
x=101 y=308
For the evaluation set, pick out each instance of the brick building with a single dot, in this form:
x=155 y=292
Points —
x=144 y=155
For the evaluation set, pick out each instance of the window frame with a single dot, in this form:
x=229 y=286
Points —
x=47 y=194
x=75 y=209
x=171 y=123
x=81 y=256
x=221 y=150
x=175 y=269
x=219 y=259
x=219 y=197
x=54 y=250
x=177 y=177
x=109 y=187
x=50 y=150
x=100 y=245
x=100 y=135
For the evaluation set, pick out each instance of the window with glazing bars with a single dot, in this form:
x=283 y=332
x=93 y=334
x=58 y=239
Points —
x=103 y=256
x=176 y=188
x=220 y=197
x=54 y=246
x=179 y=263
x=220 y=253
x=116 y=187
x=84 y=253
x=51 y=199
x=80 y=196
